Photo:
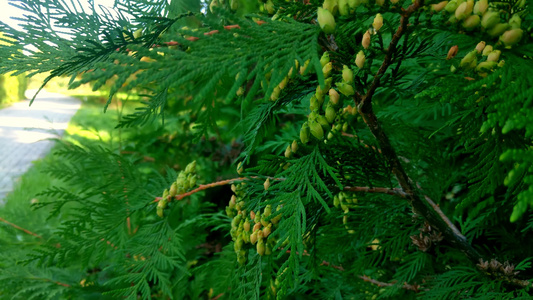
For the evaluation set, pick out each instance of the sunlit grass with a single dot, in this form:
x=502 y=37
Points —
x=89 y=126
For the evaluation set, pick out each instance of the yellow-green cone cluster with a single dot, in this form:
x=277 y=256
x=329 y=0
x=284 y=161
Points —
x=345 y=201
x=253 y=228
x=287 y=78
x=482 y=59
x=323 y=113
x=326 y=20
x=291 y=149
x=332 y=8
x=328 y=116
x=186 y=180
x=282 y=85
x=481 y=15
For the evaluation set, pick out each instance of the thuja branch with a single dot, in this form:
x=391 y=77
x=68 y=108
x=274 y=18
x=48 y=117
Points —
x=50 y=280
x=416 y=200
x=20 y=228
x=366 y=100
x=366 y=189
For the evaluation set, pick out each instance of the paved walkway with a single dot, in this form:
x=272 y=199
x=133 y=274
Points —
x=24 y=130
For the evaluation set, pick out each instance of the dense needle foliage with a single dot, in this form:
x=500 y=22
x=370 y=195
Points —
x=374 y=149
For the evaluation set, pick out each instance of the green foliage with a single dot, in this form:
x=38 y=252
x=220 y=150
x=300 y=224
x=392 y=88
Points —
x=348 y=177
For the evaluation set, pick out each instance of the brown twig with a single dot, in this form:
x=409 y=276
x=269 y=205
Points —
x=442 y=215
x=217 y=296
x=360 y=141
x=205 y=187
x=20 y=228
x=440 y=212
x=125 y=190
x=325 y=263
x=412 y=287
x=366 y=189
x=53 y=281
x=366 y=100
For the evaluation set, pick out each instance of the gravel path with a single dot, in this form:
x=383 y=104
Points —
x=24 y=131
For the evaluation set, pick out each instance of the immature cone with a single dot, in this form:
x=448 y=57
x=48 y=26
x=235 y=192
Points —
x=267 y=211
x=378 y=22
x=327 y=69
x=213 y=4
x=234 y=4
x=283 y=83
x=162 y=204
x=319 y=95
x=451 y=6
x=360 y=59
x=275 y=94
x=481 y=7
x=330 y=114
x=266 y=184
x=366 y=40
x=246 y=225
x=515 y=21
x=480 y=46
x=452 y=52
x=316 y=130
x=137 y=33
x=253 y=237
x=324 y=59
x=261 y=247
x=288 y=151
x=173 y=190
x=464 y=10
x=490 y=19
x=469 y=61
x=304 y=133
x=439 y=6
x=347 y=74
x=191 y=167
x=498 y=29
x=267 y=230
x=511 y=37
x=303 y=68
x=159 y=211
x=487 y=50
x=313 y=103
x=344 y=8
x=232 y=201
x=323 y=122
x=294 y=146
x=486 y=66
x=345 y=89
x=331 y=5
x=269 y=7
x=327 y=84
x=326 y=20
x=471 y=22
x=333 y=97
x=192 y=180
x=494 y=56
x=345 y=125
